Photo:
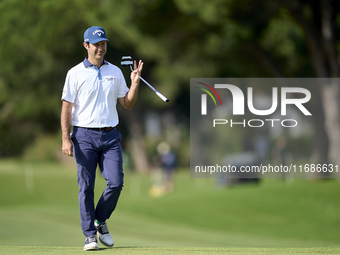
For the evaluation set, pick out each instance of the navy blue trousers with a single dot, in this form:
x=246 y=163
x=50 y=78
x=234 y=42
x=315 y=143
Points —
x=92 y=148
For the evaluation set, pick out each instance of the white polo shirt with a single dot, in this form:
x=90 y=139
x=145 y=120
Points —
x=94 y=94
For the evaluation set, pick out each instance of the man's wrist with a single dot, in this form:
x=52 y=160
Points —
x=135 y=84
x=66 y=137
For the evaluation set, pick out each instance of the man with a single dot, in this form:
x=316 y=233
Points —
x=89 y=101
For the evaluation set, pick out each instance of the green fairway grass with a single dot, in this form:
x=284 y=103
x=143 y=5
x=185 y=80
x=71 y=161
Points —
x=39 y=215
x=167 y=250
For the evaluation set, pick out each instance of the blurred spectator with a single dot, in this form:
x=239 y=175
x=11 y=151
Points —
x=167 y=164
x=281 y=145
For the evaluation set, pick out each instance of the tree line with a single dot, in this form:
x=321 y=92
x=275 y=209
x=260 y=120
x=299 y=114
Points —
x=177 y=39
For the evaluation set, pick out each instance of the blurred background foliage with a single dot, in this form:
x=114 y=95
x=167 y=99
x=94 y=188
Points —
x=177 y=40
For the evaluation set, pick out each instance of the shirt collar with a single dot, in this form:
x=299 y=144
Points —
x=87 y=63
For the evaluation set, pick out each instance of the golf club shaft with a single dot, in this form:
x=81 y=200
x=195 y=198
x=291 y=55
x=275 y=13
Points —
x=156 y=91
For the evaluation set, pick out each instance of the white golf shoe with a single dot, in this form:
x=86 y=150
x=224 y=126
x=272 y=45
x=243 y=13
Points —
x=103 y=233
x=91 y=243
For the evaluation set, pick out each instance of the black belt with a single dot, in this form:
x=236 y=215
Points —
x=103 y=129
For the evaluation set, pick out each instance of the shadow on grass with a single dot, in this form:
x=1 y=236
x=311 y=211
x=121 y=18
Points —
x=123 y=247
x=131 y=247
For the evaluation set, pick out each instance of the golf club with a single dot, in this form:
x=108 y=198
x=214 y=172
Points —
x=127 y=61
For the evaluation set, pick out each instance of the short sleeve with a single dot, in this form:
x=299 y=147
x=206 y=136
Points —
x=70 y=88
x=123 y=89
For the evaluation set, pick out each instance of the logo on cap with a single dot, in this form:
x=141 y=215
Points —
x=99 y=32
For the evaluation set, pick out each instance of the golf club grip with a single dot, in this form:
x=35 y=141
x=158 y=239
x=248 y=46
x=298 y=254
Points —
x=161 y=96
x=157 y=92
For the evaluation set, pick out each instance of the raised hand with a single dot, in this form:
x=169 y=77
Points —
x=137 y=72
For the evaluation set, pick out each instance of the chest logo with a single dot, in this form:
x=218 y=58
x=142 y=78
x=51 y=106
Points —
x=110 y=78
